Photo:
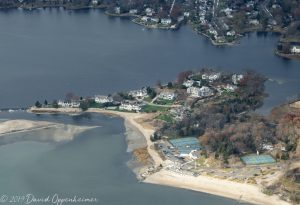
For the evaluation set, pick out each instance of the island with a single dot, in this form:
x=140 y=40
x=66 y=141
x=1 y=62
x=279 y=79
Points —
x=223 y=22
x=202 y=133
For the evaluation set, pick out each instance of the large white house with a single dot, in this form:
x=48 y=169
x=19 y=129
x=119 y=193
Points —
x=130 y=106
x=167 y=95
x=295 y=50
x=139 y=93
x=166 y=21
x=66 y=104
x=190 y=83
x=103 y=99
x=236 y=79
x=200 y=92
x=211 y=77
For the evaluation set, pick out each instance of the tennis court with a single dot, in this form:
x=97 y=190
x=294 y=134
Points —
x=258 y=159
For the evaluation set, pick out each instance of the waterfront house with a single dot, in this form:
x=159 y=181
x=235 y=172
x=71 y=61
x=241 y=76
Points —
x=94 y=2
x=188 y=83
x=144 y=18
x=230 y=33
x=103 y=99
x=186 y=14
x=236 y=79
x=204 y=91
x=166 y=21
x=211 y=77
x=149 y=11
x=230 y=88
x=167 y=95
x=130 y=106
x=295 y=50
x=139 y=93
x=68 y=104
x=133 y=11
x=117 y=10
x=154 y=20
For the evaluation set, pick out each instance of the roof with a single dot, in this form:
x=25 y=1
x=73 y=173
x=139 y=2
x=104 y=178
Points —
x=258 y=159
x=186 y=145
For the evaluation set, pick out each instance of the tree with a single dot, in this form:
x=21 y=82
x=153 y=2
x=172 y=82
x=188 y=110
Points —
x=84 y=106
x=38 y=104
x=55 y=104
x=46 y=102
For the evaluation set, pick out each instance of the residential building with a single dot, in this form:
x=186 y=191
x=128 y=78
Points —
x=166 y=21
x=295 y=50
x=188 y=83
x=133 y=11
x=211 y=77
x=236 y=79
x=139 y=93
x=167 y=95
x=117 y=10
x=103 y=99
x=130 y=106
x=66 y=104
x=204 y=91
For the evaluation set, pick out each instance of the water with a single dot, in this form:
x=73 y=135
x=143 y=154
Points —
x=92 y=165
x=48 y=53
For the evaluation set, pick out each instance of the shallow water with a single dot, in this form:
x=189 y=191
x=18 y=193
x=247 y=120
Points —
x=92 y=165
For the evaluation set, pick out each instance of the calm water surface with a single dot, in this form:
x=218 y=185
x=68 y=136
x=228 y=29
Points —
x=47 y=53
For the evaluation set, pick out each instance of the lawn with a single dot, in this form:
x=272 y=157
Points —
x=165 y=117
x=153 y=108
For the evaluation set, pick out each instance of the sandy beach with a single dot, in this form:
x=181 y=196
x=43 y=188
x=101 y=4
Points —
x=225 y=188
x=19 y=130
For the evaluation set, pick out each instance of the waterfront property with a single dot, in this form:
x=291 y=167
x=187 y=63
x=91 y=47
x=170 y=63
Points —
x=103 y=99
x=167 y=95
x=258 y=159
x=204 y=91
x=186 y=146
x=295 y=50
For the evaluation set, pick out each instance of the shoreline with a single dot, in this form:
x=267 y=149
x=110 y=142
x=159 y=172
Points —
x=206 y=184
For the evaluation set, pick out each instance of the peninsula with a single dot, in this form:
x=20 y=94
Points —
x=202 y=134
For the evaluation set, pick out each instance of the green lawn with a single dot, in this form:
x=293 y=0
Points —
x=154 y=108
x=164 y=102
x=166 y=118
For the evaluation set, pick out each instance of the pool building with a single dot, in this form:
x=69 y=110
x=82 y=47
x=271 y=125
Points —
x=186 y=146
x=258 y=159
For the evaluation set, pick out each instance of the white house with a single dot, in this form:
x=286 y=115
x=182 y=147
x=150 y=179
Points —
x=145 y=18
x=211 y=77
x=155 y=20
x=193 y=91
x=167 y=95
x=166 y=21
x=188 y=83
x=236 y=79
x=66 y=104
x=295 y=50
x=94 y=2
x=130 y=106
x=200 y=92
x=139 y=93
x=117 y=10
x=186 y=14
x=268 y=147
x=230 y=33
x=103 y=99
x=133 y=11
x=149 y=11
x=230 y=88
